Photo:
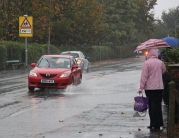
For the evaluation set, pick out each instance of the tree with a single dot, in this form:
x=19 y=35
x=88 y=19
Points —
x=70 y=21
x=145 y=19
x=171 y=21
x=78 y=22
x=75 y=22
x=160 y=30
x=118 y=21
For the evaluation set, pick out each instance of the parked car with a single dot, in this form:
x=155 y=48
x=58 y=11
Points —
x=54 y=71
x=82 y=61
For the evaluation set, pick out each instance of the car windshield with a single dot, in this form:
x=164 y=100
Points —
x=75 y=55
x=54 y=62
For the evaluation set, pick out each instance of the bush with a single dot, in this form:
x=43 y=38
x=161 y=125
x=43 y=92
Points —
x=3 y=56
x=173 y=56
x=16 y=51
x=12 y=48
x=37 y=50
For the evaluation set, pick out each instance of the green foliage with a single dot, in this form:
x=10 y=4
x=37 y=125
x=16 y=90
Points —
x=16 y=51
x=35 y=51
x=126 y=21
x=119 y=21
x=3 y=56
x=13 y=52
x=100 y=53
x=160 y=30
x=173 y=55
x=53 y=49
x=171 y=21
x=75 y=22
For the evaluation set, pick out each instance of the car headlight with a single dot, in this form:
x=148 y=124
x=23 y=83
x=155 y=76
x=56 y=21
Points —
x=32 y=73
x=78 y=60
x=65 y=75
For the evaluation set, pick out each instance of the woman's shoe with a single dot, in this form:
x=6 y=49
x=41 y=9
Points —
x=157 y=128
x=153 y=128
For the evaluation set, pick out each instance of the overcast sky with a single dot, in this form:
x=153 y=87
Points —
x=164 y=5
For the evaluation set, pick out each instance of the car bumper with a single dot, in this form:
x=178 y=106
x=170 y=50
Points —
x=60 y=83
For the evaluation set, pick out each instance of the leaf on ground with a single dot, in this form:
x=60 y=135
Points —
x=100 y=134
x=60 y=120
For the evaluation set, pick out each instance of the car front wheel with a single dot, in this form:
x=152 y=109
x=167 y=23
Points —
x=31 y=88
x=72 y=81
x=87 y=70
x=80 y=80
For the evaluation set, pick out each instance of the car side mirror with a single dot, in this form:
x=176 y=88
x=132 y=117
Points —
x=33 y=64
x=75 y=66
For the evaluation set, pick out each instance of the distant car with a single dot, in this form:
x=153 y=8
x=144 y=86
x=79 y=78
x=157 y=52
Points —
x=82 y=61
x=146 y=53
x=54 y=71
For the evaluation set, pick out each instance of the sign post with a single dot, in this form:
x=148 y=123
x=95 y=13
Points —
x=26 y=30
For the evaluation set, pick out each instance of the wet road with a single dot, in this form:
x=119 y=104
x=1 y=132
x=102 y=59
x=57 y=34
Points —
x=102 y=106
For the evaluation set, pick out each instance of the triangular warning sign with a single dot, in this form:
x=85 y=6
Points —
x=25 y=24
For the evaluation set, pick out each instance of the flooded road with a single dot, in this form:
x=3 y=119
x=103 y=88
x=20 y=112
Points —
x=101 y=106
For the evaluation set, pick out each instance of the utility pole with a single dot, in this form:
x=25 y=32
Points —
x=26 y=51
x=175 y=28
x=49 y=29
x=26 y=30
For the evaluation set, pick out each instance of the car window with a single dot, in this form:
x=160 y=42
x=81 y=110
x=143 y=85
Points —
x=54 y=62
x=75 y=55
x=43 y=63
x=82 y=55
x=74 y=61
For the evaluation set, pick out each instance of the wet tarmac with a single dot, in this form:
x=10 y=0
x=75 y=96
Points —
x=107 y=120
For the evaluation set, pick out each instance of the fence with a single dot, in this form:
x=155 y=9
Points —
x=173 y=116
x=173 y=108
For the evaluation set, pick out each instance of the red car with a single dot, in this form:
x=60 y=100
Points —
x=54 y=71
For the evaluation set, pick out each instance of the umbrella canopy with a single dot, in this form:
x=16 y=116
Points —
x=172 y=41
x=151 y=43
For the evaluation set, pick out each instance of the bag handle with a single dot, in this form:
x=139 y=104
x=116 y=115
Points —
x=141 y=94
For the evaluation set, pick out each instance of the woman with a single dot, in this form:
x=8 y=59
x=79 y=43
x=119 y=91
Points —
x=151 y=82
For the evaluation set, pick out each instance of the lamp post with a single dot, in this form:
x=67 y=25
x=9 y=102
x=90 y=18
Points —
x=49 y=29
x=26 y=52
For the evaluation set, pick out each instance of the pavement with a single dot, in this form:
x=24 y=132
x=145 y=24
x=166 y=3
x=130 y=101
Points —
x=145 y=134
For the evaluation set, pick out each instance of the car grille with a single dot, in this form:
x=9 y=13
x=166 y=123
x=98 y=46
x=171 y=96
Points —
x=48 y=75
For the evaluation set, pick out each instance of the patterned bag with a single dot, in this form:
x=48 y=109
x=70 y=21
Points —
x=141 y=103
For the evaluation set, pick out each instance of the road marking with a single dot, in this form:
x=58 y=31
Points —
x=20 y=112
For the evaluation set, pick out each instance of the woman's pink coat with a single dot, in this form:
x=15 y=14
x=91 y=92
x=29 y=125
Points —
x=153 y=68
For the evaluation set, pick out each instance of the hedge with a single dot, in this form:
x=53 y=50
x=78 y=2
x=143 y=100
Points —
x=16 y=51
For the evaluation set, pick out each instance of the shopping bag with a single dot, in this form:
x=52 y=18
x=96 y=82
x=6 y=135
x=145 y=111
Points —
x=139 y=114
x=141 y=103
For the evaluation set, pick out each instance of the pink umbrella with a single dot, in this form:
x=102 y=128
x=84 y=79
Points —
x=151 y=43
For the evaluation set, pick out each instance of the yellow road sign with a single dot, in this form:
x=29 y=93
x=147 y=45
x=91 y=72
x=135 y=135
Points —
x=25 y=26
